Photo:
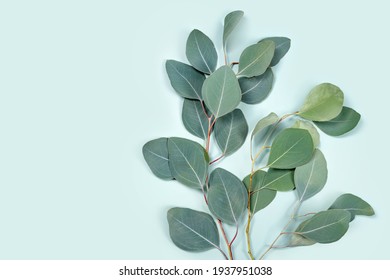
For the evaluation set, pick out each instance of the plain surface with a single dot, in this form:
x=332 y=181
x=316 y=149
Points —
x=83 y=87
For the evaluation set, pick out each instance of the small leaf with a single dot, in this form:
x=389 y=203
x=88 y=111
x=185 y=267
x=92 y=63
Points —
x=281 y=180
x=156 y=156
x=186 y=81
x=231 y=131
x=256 y=89
x=354 y=204
x=257 y=181
x=310 y=178
x=231 y=21
x=221 y=91
x=282 y=45
x=194 y=118
x=201 y=52
x=256 y=58
x=310 y=128
x=291 y=148
x=227 y=197
x=264 y=123
x=299 y=240
x=343 y=123
x=326 y=226
x=188 y=162
x=323 y=103
x=192 y=230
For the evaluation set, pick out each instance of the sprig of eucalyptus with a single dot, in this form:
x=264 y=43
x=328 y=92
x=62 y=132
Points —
x=286 y=158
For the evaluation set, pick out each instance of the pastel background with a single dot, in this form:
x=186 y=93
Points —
x=83 y=87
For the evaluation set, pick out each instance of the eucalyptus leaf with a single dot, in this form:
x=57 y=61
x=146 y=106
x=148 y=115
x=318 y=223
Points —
x=231 y=21
x=311 y=178
x=156 y=156
x=188 y=162
x=310 y=128
x=201 y=52
x=221 y=91
x=256 y=89
x=192 y=230
x=230 y=131
x=256 y=58
x=292 y=147
x=281 y=180
x=299 y=240
x=326 y=226
x=282 y=45
x=227 y=197
x=323 y=103
x=186 y=81
x=264 y=123
x=194 y=118
x=354 y=204
x=261 y=199
x=343 y=123
x=258 y=179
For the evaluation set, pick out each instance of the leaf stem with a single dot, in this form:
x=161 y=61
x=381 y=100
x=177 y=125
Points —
x=248 y=225
x=217 y=159
x=228 y=244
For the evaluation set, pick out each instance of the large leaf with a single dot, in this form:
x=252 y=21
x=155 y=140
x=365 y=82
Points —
x=326 y=226
x=185 y=79
x=221 y=91
x=264 y=123
x=230 y=131
x=310 y=178
x=231 y=21
x=227 y=197
x=343 y=123
x=256 y=89
x=201 y=52
x=256 y=58
x=188 y=162
x=300 y=240
x=282 y=45
x=281 y=180
x=310 y=128
x=323 y=103
x=292 y=147
x=260 y=197
x=156 y=156
x=354 y=204
x=194 y=118
x=192 y=230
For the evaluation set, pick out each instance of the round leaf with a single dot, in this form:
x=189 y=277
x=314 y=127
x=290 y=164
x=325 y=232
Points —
x=354 y=204
x=256 y=58
x=310 y=128
x=156 y=156
x=192 y=230
x=282 y=45
x=231 y=131
x=231 y=21
x=323 y=103
x=221 y=91
x=264 y=123
x=257 y=181
x=256 y=89
x=194 y=118
x=261 y=199
x=281 y=180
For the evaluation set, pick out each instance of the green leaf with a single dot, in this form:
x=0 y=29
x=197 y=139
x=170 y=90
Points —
x=186 y=81
x=292 y=147
x=311 y=178
x=192 y=230
x=156 y=156
x=231 y=131
x=354 y=204
x=264 y=123
x=221 y=91
x=188 y=162
x=310 y=128
x=282 y=45
x=343 y=123
x=257 y=181
x=326 y=226
x=323 y=103
x=256 y=58
x=299 y=240
x=227 y=197
x=194 y=118
x=256 y=89
x=201 y=52
x=281 y=180
x=231 y=21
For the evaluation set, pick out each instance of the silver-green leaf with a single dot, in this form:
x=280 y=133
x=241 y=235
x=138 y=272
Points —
x=281 y=180
x=354 y=204
x=156 y=156
x=256 y=89
x=257 y=181
x=194 y=118
x=264 y=123
x=231 y=21
x=282 y=45
x=256 y=58
x=310 y=128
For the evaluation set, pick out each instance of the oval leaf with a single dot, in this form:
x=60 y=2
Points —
x=264 y=123
x=256 y=89
x=326 y=226
x=354 y=204
x=282 y=45
x=201 y=52
x=323 y=103
x=261 y=199
x=231 y=131
x=221 y=91
x=156 y=156
x=192 y=230
x=281 y=180
x=194 y=118
x=257 y=181
x=185 y=79
x=291 y=148
x=343 y=123
x=256 y=58
x=310 y=178
x=188 y=162
x=231 y=21
x=310 y=128
x=227 y=197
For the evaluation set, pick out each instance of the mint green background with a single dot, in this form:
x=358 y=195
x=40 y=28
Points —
x=83 y=87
